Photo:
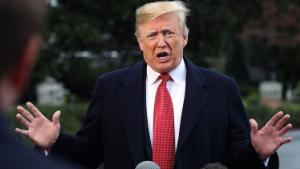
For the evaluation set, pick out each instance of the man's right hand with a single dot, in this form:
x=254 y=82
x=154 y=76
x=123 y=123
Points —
x=40 y=130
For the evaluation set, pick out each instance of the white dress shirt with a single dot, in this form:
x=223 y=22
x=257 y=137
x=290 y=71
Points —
x=176 y=88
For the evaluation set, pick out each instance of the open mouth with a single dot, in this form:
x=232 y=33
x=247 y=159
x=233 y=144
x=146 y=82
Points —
x=163 y=57
x=162 y=54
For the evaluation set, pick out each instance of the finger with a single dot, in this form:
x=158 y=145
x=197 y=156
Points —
x=25 y=113
x=254 y=126
x=34 y=110
x=22 y=120
x=281 y=123
x=55 y=117
x=286 y=140
x=274 y=119
x=23 y=132
x=285 y=129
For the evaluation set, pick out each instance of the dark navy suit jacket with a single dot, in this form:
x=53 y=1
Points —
x=214 y=126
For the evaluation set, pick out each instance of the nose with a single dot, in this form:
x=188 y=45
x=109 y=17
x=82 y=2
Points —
x=161 y=42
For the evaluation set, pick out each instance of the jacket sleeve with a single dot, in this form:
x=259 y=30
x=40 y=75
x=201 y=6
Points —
x=242 y=153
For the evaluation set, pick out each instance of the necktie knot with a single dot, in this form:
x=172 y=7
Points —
x=165 y=77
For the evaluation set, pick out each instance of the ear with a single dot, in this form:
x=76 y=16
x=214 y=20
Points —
x=21 y=71
x=185 y=39
x=140 y=41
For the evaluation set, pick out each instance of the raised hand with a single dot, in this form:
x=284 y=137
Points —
x=40 y=130
x=270 y=137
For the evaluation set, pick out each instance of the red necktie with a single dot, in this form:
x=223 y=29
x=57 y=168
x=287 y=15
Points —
x=164 y=140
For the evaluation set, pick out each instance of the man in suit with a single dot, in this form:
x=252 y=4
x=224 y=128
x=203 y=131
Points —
x=20 y=32
x=164 y=109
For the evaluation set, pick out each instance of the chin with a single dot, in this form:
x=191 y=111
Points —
x=163 y=67
x=164 y=70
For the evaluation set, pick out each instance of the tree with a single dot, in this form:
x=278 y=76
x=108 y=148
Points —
x=86 y=38
x=273 y=41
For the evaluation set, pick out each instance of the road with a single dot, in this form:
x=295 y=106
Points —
x=289 y=154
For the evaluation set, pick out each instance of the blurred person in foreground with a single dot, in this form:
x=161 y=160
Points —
x=165 y=109
x=20 y=31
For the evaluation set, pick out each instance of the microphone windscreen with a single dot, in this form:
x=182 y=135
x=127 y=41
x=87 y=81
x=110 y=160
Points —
x=147 y=165
x=214 y=166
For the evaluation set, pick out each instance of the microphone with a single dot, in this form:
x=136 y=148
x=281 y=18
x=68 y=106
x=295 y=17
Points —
x=214 y=166
x=147 y=165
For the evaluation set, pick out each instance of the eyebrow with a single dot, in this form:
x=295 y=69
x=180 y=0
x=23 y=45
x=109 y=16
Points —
x=162 y=30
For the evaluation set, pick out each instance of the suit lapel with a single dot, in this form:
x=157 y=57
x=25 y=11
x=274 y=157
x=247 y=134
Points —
x=132 y=107
x=195 y=98
x=133 y=110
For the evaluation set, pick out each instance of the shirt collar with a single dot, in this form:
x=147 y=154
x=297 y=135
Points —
x=178 y=74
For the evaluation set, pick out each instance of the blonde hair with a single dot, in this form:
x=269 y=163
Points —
x=150 y=11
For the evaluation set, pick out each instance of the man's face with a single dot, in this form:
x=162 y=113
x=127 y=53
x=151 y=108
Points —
x=162 y=41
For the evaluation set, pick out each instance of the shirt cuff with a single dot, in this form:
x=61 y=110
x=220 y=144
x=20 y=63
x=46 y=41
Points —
x=47 y=153
x=266 y=161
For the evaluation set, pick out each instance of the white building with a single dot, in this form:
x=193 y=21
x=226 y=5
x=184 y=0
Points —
x=50 y=92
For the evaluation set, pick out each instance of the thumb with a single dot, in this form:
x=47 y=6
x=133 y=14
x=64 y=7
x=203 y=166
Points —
x=55 y=117
x=254 y=126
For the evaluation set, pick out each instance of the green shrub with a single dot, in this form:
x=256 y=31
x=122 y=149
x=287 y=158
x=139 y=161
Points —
x=71 y=118
x=296 y=93
x=263 y=113
x=260 y=113
x=294 y=110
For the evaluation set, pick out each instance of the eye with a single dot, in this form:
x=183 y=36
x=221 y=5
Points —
x=151 y=35
x=169 y=34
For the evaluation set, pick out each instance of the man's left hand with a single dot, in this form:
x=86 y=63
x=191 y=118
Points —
x=270 y=137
